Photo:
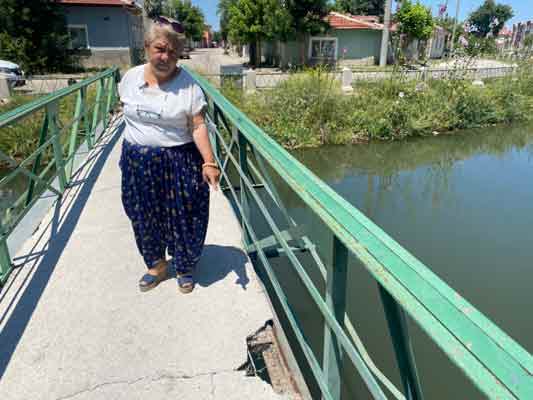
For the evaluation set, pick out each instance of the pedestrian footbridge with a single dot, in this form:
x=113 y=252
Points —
x=73 y=324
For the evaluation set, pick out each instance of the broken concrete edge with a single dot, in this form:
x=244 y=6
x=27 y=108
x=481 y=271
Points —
x=287 y=358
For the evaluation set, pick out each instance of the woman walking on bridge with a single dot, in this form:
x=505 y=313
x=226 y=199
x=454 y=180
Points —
x=167 y=161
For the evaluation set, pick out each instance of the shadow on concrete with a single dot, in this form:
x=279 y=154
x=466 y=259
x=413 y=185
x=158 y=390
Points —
x=219 y=261
x=39 y=264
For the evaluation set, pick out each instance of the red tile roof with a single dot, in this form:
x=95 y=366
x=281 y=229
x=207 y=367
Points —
x=112 y=3
x=348 y=21
x=505 y=32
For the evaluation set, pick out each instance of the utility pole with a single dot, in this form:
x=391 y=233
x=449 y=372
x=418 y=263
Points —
x=455 y=25
x=385 y=36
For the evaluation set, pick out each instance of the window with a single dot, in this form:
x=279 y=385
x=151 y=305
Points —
x=323 y=48
x=79 y=39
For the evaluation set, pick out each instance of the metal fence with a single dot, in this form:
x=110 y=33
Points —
x=255 y=171
x=435 y=73
x=40 y=85
x=38 y=143
x=269 y=80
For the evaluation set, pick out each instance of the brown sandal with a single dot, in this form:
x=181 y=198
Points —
x=185 y=282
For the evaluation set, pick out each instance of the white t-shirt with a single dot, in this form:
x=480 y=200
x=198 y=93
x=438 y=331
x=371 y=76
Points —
x=159 y=116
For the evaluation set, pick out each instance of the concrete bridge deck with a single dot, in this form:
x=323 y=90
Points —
x=73 y=324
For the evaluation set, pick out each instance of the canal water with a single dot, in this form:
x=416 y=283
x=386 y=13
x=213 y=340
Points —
x=463 y=205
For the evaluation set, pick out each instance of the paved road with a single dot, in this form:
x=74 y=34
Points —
x=209 y=61
x=73 y=324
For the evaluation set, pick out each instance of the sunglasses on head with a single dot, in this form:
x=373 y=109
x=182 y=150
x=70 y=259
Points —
x=176 y=26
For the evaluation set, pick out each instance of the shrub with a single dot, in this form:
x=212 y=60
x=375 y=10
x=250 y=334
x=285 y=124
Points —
x=34 y=35
x=308 y=108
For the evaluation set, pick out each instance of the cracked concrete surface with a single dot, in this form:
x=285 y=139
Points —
x=228 y=385
x=73 y=324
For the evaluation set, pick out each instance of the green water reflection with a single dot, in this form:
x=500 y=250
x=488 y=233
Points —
x=463 y=204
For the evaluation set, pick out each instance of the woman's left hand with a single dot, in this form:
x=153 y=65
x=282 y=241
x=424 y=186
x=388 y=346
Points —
x=211 y=176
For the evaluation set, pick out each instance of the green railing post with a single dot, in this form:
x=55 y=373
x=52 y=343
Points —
x=74 y=134
x=336 y=301
x=109 y=102
x=96 y=112
x=243 y=163
x=37 y=163
x=85 y=117
x=52 y=112
x=402 y=346
x=215 y=143
x=5 y=260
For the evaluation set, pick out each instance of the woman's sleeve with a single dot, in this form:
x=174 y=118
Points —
x=122 y=84
x=198 y=100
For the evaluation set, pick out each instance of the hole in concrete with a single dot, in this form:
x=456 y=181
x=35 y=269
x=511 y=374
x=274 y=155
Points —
x=257 y=345
x=265 y=361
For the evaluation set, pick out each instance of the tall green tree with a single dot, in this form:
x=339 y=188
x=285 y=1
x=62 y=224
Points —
x=360 y=7
x=153 y=8
x=190 y=16
x=415 y=23
x=223 y=12
x=415 y=20
x=489 y=18
x=33 y=33
x=308 y=18
x=254 y=21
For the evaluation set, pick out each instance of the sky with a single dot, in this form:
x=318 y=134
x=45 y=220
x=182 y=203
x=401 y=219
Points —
x=523 y=9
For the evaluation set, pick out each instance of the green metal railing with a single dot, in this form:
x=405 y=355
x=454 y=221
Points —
x=496 y=364
x=68 y=118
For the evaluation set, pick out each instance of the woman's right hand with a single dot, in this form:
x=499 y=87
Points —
x=211 y=176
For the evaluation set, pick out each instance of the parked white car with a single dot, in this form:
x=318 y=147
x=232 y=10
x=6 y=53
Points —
x=12 y=72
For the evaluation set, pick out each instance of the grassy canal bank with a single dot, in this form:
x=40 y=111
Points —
x=21 y=139
x=309 y=109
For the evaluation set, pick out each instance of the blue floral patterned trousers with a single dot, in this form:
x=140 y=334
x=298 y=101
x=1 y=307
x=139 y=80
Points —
x=165 y=198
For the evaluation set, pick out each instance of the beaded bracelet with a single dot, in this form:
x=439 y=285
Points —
x=210 y=164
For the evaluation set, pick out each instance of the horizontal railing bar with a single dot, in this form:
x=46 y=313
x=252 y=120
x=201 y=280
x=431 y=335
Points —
x=42 y=148
x=86 y=113
x=347 y=345
x=17 y=167
x=41 y=175
x=26 y=109
x=12 y=224
x=315 y=367
x=29 y=174
x=474 y=344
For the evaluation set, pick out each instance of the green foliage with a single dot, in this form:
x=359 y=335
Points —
x=415 y=20
x=190 y=16
x=308 y=109
x=252 y=21
x=528 y=42
x=217 y=36
x=223 y=11
x=489 y=18
x=33 y=33
x=257 y=20
x=153 y=8
x=479 y=46
x=308 y=15
x=21 y=139
x=360 y=7
x=447 y=22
